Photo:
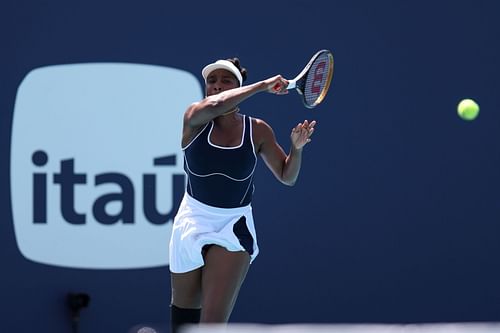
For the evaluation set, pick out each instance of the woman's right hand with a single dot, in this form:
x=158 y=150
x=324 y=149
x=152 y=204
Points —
x=276 y=85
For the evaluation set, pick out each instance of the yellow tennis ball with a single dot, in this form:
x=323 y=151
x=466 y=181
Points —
x=468 y=109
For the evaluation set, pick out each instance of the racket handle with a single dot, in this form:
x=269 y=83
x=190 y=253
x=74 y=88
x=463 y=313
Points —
x=291 y=84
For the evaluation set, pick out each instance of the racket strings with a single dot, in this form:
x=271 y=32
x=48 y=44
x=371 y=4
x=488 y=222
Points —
x=318 y=79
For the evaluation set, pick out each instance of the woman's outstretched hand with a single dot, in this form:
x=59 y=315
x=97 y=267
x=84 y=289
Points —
x=301 y=134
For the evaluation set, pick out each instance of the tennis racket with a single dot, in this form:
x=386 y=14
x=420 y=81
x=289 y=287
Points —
x=314 y=80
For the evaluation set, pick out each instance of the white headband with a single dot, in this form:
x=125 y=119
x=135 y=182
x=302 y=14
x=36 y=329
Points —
x=222 y=64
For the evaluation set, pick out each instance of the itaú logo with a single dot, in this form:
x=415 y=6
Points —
x=96 y=163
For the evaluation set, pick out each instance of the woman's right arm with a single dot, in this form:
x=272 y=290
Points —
x=211 y=107
x=202 y=112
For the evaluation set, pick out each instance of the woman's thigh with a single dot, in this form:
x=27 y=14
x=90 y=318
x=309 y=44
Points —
x=222 y=276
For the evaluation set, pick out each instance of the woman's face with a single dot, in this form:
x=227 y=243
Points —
x=220 y=80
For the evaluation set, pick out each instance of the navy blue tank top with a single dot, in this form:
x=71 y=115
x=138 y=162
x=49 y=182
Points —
x=221 y=176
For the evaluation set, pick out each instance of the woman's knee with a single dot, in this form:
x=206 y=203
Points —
x=215 y=314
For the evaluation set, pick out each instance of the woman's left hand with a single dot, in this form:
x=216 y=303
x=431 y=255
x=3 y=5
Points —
x=301 y=134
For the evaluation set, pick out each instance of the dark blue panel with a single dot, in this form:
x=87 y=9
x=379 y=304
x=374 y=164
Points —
x=396 y=214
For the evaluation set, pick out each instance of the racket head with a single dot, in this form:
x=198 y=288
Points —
x=314 y=80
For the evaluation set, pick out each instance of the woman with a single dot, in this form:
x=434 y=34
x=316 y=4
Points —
x=213 y=238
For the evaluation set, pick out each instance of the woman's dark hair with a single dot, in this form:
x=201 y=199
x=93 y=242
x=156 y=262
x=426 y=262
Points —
x=242 y=70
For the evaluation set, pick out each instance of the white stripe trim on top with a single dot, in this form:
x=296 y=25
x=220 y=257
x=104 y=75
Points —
x=232 y=147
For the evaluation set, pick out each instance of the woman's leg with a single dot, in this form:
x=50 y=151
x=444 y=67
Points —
x=221 y=279
x=186 y=299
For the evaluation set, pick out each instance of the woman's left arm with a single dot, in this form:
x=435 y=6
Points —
x=286 y=168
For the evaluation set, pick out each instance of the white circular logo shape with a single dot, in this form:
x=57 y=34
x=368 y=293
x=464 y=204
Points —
x=96 y=163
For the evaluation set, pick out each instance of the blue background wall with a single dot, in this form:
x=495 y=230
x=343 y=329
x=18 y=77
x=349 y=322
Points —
x=396 y=215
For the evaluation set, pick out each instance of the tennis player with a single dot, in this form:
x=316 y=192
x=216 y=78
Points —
x=213 y=238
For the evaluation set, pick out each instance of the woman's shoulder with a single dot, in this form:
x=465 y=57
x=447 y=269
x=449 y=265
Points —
x=260 y=125
x=262 y=131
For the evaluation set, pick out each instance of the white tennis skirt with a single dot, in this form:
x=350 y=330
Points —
x=197 y=224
